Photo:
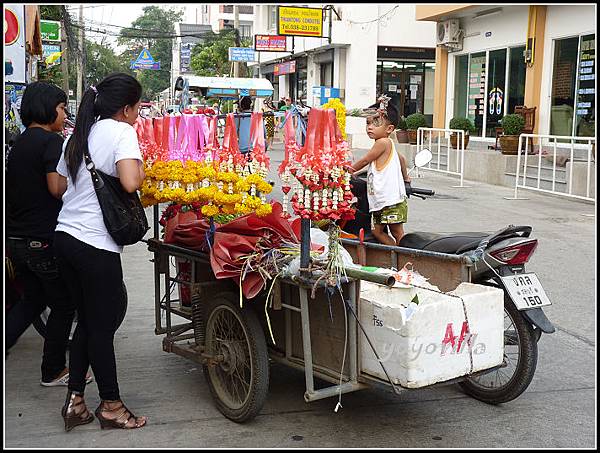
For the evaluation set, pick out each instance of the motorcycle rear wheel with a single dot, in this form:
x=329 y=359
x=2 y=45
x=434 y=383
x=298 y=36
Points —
x=520 y=360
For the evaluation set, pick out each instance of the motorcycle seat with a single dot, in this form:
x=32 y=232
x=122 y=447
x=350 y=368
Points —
x=454 y=243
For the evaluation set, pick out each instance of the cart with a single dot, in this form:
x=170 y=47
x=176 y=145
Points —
x=234 y=345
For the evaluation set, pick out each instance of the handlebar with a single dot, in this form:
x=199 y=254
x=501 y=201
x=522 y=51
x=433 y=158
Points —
x=418 y=192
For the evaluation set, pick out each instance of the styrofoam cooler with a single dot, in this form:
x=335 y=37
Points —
x=436 y=342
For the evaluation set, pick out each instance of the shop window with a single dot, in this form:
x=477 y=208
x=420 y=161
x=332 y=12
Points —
x=564 y=73
x=476 y=84
x=461 y=70
x=516 y=79
x=496 y=96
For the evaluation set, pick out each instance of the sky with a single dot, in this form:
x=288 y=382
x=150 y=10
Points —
x=122 y=14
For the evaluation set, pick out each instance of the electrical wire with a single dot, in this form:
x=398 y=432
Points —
x=374 y=20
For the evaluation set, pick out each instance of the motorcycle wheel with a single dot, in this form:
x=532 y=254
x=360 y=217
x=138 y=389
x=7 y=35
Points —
x=39 y=324
x=240 y=381
x=518 y=367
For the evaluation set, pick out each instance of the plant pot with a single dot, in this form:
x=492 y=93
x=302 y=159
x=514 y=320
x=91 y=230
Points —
x=509 y=144
x=455 y=140
x=402 y=136
x=412 y=136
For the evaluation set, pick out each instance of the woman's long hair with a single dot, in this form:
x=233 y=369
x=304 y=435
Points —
x=112 y=94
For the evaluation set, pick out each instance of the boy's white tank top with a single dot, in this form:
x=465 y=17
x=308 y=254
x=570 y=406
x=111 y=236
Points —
x=385 y=187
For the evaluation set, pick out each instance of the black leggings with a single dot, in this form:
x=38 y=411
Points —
x=94 y=278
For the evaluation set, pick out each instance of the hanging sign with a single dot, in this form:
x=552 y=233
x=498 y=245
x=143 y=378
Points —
x=294 y=21
x=242 y=54
x=270 y=43
x=145 y=61
x=288 y=67
x=14 y=43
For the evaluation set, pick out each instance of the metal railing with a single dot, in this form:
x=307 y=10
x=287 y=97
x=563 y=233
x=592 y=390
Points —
x=460 y=160
x=553 y=182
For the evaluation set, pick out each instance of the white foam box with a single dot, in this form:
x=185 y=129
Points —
x=436 y=342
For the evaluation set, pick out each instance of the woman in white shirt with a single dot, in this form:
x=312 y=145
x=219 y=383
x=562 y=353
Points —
x=87 y=254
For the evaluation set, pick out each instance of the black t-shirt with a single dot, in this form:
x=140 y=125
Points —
x=31 y=210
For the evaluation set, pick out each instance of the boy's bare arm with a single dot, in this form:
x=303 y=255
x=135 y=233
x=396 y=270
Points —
x=377 y=150
x=405 y=176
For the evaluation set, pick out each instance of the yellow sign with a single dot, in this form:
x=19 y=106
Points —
x=295 y=21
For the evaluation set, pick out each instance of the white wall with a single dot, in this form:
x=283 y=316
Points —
x=561 y=22
x=400 y=28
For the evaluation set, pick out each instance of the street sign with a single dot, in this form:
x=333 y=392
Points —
x=294 y=21
x=49 y=49
x=242 y=54
x=270 y=43
x=145 y=61
x=50 y=30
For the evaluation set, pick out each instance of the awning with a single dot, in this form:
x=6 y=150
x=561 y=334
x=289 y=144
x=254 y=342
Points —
x=231 y=86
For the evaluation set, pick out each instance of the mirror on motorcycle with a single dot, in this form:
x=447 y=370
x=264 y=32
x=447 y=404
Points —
x=423 y=157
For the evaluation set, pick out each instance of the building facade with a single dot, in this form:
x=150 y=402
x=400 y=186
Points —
x=366 y=50
x=540 y=56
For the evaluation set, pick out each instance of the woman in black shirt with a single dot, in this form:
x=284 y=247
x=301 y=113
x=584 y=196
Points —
x=33 y=197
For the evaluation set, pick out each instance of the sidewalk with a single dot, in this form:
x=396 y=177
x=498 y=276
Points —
x=172 y=392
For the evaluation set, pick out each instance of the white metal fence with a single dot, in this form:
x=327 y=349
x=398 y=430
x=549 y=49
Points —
x=436 y=145
x=583 y=145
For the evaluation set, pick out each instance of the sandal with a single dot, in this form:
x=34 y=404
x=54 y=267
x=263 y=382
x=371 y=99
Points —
x=75 y=412
x=122 y=416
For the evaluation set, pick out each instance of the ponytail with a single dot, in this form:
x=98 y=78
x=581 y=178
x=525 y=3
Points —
x=78 y=142
x=103 y=101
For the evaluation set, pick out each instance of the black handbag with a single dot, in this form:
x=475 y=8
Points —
x=122 y=211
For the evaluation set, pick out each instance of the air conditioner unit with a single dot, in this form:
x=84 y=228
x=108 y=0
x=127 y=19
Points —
x=448 y=32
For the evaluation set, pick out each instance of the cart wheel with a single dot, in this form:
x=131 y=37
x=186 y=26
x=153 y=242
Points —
x=240 y=382
x=520 y=360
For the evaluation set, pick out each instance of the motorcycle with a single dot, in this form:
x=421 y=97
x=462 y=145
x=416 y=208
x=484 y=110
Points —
x=499 y=260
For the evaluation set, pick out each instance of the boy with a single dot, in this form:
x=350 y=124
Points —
x=386 y=191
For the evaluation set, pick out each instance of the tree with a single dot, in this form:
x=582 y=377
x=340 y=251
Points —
x=211 y=58
x=101 y=61
x=153 y=30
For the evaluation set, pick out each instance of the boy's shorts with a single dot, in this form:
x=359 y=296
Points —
x=391 y=214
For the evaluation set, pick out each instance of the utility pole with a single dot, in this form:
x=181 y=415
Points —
x=80 y=57
x=64 y=66
x=236 y=28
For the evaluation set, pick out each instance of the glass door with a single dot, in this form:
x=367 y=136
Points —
x=496 y=96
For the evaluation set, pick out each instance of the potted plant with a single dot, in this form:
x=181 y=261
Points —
x=512 y=126
x=401 y=133
x=414 y=122
x=464 y=124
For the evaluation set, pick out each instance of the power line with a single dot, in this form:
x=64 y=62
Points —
x=375 y=20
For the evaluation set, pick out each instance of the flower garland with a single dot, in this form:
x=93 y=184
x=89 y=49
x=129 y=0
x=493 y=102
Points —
x=220 y=177
x=321 y=170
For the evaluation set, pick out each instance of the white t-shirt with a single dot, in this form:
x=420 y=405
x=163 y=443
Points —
x=109 y=142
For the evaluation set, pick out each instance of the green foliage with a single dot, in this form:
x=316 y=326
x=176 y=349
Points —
x=50 y=12
x=415 y=121
x=513 y=124
x=462 y=123
x=102 y=61
x=154 y=22
x=402 y=123
x=211 y=58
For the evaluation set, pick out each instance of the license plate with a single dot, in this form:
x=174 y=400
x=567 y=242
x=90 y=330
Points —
x=526 y=291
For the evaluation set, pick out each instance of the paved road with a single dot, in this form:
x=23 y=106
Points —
x=557 y=410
